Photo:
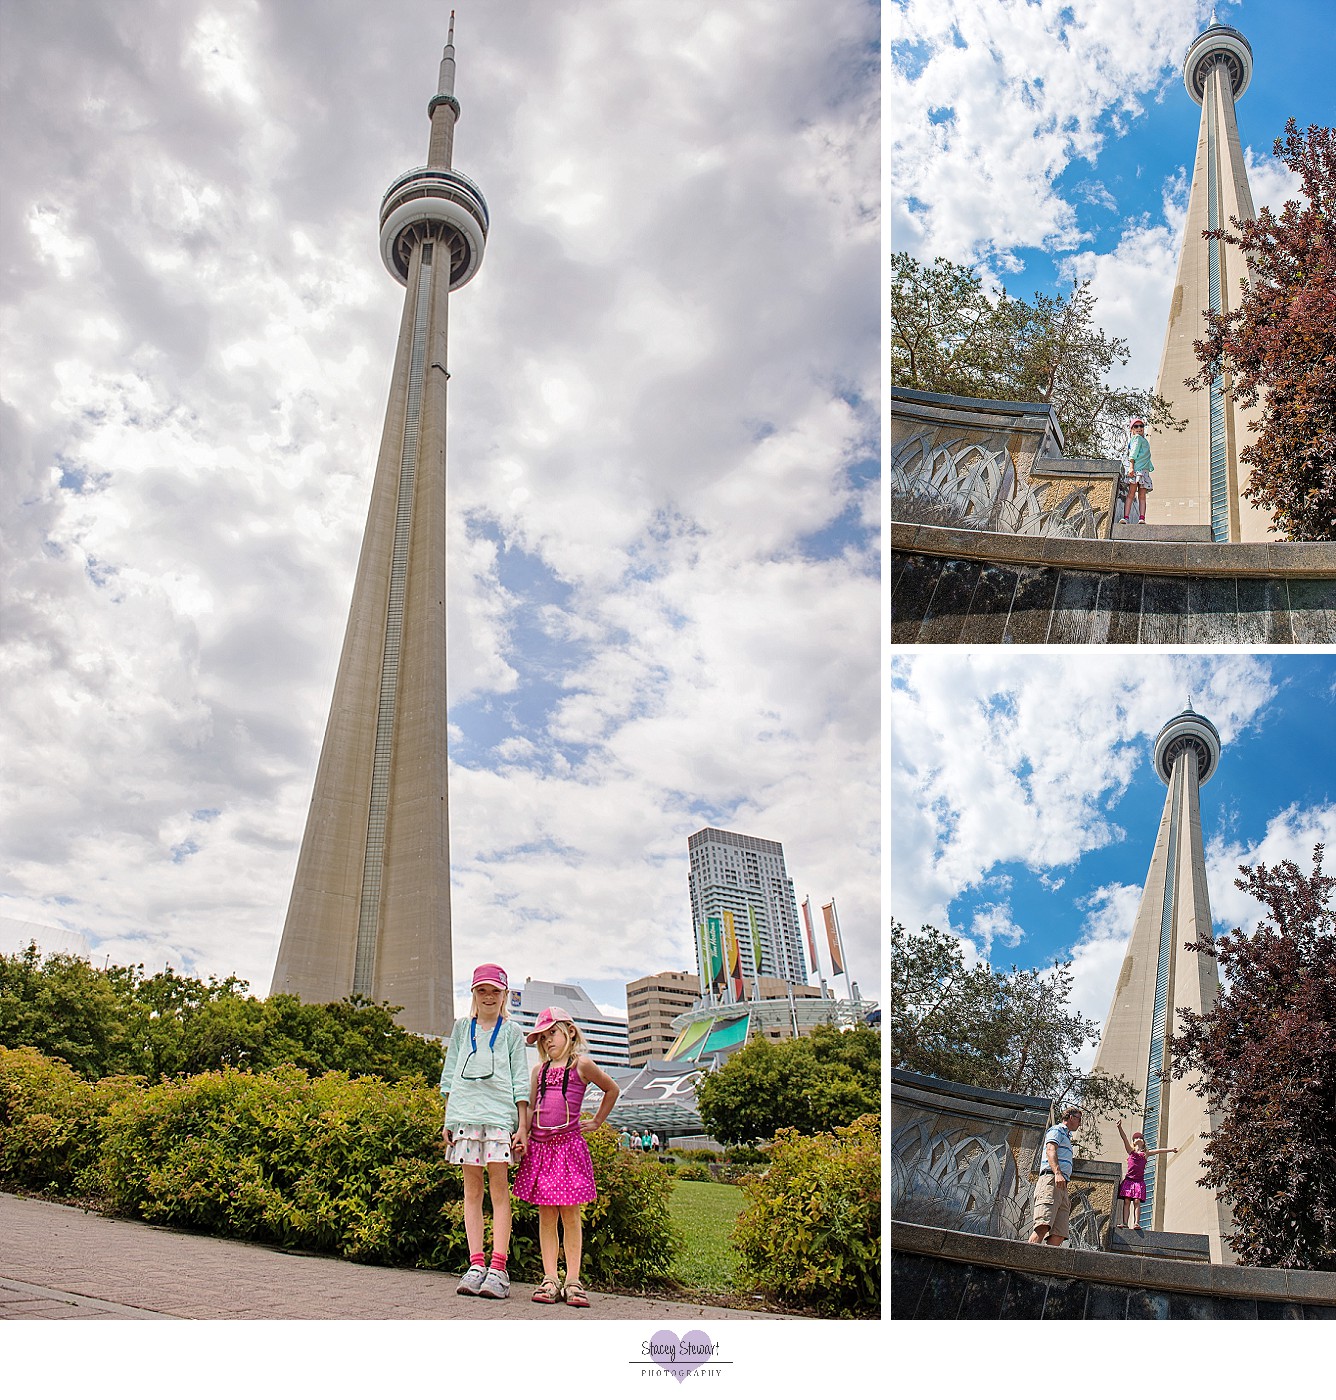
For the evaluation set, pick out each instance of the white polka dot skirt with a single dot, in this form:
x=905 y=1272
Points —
x=473 y=1146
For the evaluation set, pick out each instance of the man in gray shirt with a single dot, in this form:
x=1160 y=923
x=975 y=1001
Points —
x=1052 y=1206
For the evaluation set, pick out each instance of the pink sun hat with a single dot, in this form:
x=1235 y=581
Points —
x=548 y=1018
x=491 y=974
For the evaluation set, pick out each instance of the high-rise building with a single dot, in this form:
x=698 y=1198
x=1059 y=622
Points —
x=1159 y=976
x=370 y=906
x=605 y=1035
x=651 y=1004
x=1198 y=476
x=743 y=913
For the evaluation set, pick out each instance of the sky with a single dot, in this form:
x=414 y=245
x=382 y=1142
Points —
x=664 y=537
x=1024 y=806
x=1043 y=142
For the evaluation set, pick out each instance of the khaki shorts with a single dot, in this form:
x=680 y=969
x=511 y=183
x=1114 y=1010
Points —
x=1052 y=1206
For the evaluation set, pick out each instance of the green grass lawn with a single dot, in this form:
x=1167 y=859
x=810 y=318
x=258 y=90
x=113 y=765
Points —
x=705 y=1211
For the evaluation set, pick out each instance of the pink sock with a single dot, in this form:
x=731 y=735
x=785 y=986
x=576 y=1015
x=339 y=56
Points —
x=477 y=1258
x=498 y=1260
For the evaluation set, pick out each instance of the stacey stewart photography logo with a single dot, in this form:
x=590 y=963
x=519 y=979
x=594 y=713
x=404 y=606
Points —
x=667 y=1354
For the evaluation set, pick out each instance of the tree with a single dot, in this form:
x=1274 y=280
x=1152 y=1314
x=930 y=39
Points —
x=949 y=337
x=114 y=1020
x=815 y=1083
x=1265 y=1054
x=1012 y=1031
x=1281 y=339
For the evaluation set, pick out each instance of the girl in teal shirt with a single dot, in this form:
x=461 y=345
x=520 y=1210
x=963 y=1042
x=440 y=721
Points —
x=486 y=1086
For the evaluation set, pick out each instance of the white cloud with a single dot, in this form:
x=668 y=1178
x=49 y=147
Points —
x=661 y=380
x=998 y=759
x=1290 y=835
x=995 y=99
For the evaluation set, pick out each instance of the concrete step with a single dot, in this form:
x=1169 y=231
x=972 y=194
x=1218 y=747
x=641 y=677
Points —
x=1161 y=534
x=1159 y=1244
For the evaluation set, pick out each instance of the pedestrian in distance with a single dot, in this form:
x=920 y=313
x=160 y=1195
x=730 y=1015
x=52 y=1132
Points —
x=1132 y=1188
x=485 y=1082
x=557 y=1174
x=1052 y=1202
x=1140 y=468
x=645 y=1141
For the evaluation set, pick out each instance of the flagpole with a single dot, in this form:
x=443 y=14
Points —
x=844 y=957
x=811 y=945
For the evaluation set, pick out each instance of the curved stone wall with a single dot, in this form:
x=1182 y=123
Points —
x=965 y=1158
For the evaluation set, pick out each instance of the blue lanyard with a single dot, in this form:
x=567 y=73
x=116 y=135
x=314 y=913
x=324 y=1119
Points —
x=473 y=1035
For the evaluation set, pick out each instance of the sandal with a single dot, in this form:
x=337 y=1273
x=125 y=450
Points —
x=576 y=1296
x=549 y=1291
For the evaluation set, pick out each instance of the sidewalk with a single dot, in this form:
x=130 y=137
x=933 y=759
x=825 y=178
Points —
x=62 y=1262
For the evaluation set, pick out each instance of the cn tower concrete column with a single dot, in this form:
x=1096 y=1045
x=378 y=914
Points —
x=370 y=908
x=1159 y=976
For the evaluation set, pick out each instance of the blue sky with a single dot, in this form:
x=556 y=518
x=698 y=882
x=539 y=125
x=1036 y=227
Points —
x=1024 y=806
x=664 y=530
x=1046 y=141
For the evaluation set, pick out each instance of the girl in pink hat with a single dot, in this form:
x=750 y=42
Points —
x=486 y=1090
x=557 y=1174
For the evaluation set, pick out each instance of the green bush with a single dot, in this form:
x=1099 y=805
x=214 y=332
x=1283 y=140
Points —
x=629 y=1239
x=693 y=1171
x=810 y=1235
x=340 y=1165
x=348 y=1166
x=51 y=1123
x=744 y=1155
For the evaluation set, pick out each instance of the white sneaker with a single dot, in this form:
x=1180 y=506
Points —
x=472 y=1281
x=496 y=1284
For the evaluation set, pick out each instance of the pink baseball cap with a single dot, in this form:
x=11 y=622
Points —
x=491 y=974
x=547 y=1018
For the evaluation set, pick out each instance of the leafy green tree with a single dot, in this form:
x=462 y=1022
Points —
x=1012 y=1031
x=813 y=1084
x=948 y=336
x=1265 y=1054
x=1280 y=340
x=114 y=1020
x=66 y=1009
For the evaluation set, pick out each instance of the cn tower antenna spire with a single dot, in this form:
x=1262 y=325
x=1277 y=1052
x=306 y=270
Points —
x=446 y=85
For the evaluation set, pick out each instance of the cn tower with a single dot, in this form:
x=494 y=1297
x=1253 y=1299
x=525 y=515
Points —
x=1199 y=477
x=370 y=908
x=1158 y=976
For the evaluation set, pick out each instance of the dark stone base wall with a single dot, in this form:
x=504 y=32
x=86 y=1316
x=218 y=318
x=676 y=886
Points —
x=938 y=1274
x=947 y=1288
x=936 y=598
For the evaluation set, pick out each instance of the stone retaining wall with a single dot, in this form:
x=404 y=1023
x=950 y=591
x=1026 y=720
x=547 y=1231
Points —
x=949 y=1274
x=974 y=586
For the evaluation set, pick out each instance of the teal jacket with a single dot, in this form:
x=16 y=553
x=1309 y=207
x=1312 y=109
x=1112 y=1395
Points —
x=485 y=1086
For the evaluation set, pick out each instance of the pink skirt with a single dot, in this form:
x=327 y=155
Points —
x=1132 y=1191
x=556 y=1171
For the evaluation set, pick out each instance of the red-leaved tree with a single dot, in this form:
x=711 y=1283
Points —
x=1280 y=341
x=1266 y=1053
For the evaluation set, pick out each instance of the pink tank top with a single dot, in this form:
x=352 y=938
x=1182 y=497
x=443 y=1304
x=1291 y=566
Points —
x=554 y=1111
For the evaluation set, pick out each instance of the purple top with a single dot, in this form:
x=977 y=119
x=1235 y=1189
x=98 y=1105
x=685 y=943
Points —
x=1136 y=1167
x=554 y=1112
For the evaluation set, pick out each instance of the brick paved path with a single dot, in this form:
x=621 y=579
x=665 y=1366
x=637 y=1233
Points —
x=62 y=1262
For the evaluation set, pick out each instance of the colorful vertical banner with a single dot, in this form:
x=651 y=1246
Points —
x=833 y=939
x=756 y=940
x=714 y=937
x=811 y=937
x=702 y=956
x=733 y=955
